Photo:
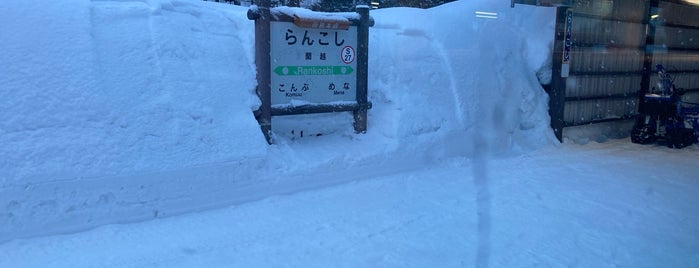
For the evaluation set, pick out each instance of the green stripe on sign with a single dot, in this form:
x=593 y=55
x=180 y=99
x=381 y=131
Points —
x=313 y=70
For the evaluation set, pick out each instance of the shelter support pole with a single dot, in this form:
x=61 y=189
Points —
x=557 y=92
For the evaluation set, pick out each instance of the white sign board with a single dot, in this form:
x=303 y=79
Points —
x=312 y=65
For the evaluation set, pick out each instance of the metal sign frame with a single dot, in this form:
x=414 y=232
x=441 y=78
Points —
x=263 y=17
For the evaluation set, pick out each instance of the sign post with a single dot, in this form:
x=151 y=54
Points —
x=360 y=115
x=262 y=17
x=310 y=62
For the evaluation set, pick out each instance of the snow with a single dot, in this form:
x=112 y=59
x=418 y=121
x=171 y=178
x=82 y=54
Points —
x=128 y=139
x=119 y=87
x=598 y=205
x=307 y=14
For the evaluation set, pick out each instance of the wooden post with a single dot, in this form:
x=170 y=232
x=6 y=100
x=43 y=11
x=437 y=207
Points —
x=262 y=60
x=360 y=115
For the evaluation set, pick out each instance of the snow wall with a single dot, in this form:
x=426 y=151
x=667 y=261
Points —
x=121 y=111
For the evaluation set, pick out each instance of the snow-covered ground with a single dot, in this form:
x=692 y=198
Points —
x=615 y=204
x=127 y=139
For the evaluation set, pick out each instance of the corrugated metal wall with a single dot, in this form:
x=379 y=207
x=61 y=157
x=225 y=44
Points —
x=677 y=46
x=609 y=46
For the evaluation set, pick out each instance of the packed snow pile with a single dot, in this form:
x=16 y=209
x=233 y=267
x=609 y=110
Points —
x=94 y=88
x=123 y=110
x=446 y=71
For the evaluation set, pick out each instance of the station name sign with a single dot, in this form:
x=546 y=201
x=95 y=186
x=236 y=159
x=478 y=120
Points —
x=310 y=62
x=314 y=65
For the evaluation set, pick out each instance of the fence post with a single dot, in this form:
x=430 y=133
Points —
x=360 y=115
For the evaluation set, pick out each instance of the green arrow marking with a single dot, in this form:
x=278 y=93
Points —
x=313 y=70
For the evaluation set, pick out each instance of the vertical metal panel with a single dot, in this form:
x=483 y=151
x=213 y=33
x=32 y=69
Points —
x=660 y=58
x=678 y=62
x=593 y=30
x=590 y=86
x=684 y=80
x=673 y=13
x=677 y=37
x=581 y=112
x=574 y=83
x=692 y=97
x=586 y=60
x=626 y=10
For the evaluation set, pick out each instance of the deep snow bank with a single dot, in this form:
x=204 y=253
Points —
x=445 y=70
x=94 y=88
x=125 y=110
